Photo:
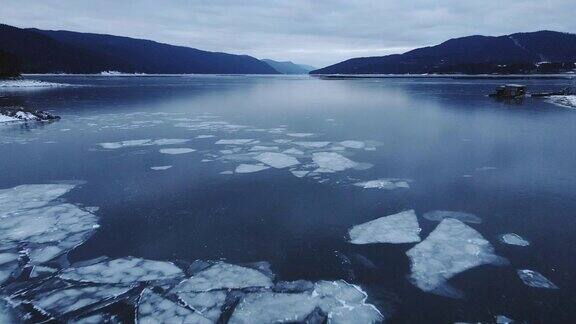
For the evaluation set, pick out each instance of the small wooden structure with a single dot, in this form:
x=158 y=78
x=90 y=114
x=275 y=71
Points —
x=510 y=91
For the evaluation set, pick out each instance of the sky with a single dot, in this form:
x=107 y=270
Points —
x=314 y=32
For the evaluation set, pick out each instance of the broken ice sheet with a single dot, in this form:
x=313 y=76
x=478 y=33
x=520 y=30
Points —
x=142 y=142
x=250 y=168
x=161 y=167
x=277 y=160
x=60 y=302
x=238 y=141
x=332 y=162
x=207 y=304
x=224 y=276
x=439 y=215
x=453 y=247
x=264 y=148
x=270 y=307
x=535 y=279
x=353 y=144
x=30 y=196
x=122 y=271
x=513 y=239
x=398 y=228
x=181 y=150
x=153 y=308
x=387 y=184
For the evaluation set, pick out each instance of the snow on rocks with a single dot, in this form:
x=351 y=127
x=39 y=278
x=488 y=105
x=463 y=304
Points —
x=224 y=276
x=439 y=215
x=513 y=239
x=387 y=184
x=277 y=160
x=175 y=151
x=250 y=168
x=123 y=271
x=332 y=162
x=535 y=279
x=154 y=308
x=450 y=249
x=398 y=228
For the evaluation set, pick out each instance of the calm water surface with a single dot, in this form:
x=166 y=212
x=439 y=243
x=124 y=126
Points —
x=511 y=164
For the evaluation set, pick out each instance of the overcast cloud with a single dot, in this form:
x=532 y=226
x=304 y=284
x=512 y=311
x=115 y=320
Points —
x=319 y=32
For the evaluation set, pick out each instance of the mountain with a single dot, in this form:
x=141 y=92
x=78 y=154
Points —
x=289 y=67
x=515 y=53
x=8 y=65
x=46 y=51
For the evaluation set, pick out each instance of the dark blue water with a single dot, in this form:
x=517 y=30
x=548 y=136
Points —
x=513 y=164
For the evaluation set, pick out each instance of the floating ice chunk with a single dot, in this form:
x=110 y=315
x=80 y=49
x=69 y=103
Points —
x=568 y=101
x=170 y=141
x=270 y=307
x=239 y=141
x=161 y=168
x=264 y=148
x=282 y=141
x=353 y=144
x=44 y=254
x=92 y=209
x=250 y=168
x=293 y=151
x=312 y=145
x=502 y=319
x=332 y=162
x=534 y=279
x=363 y=313
x=130 y=143
x=181 y=150
x=224 y=276
x=300 y=134
x=451 y=248
x=153 y=308
x=514 y=239
x=398 y=228
x=300 y=174
x=277 y=160
x=439 y=215
x=60 y=302
x=388 y=184
x=30 y=196
x=204 y=136
x=227 y=172
x=207 y=304
x=122 y=271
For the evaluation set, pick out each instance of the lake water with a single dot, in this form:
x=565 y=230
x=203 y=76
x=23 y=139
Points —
x=442 y=141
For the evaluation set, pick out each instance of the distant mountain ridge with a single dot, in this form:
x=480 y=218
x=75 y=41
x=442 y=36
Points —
x=515 y=53
x=46 y=51
x=289 y=67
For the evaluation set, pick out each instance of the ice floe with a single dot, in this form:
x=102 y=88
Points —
x=250 y=168
x=142 y=142
x=453 y=247
x=224 y=276
x=123 y=271
x=387 y=184
x=398 y=228
x=300 y=134
x=332 y=162
x=161 y=167
x=293 y=151
x=564 y=101
x=204 y=136
x=513 y=239
x=175 y=151
x=535 y=279
x=264 y=148
x=207 y=303
x=238 y=141
x=299 y=174
x=154 y=308
x=312 y=145
x=439 y=215
x=277 y=160
x=353 y=144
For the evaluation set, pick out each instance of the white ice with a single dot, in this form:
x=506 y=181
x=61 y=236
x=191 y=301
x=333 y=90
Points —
x=264 y=148
x=312 y=145
x=207 y=304
x=5 y=119
x=250 y=168
x=277 y=160
x=153 y=308
x=387 y=184
x=293 y=151
x=564 y=101
x=332 y=162
x=224 y=276
x=204 y=136
x=173 y=151
x=123 y=271
x=239 y=141
x=353 y=144
x=514 y=239
x=161 y=168
x=439 y=215
x=28 y=84
x=398 y=228
x=535 y=279
x=300 y=174
x=300 y=134
x=142 y=142
x=453 y=247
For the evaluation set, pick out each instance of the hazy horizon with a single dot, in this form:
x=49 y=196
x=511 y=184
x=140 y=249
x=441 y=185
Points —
x=313 y=33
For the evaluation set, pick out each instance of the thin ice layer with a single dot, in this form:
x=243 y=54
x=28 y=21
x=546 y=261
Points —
x=277 y=160
x=398 y=228
x=123 y=270
x=535 y=279
x=439 y=215
x=153 y=308
x=450 y=249
x=223 y=275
